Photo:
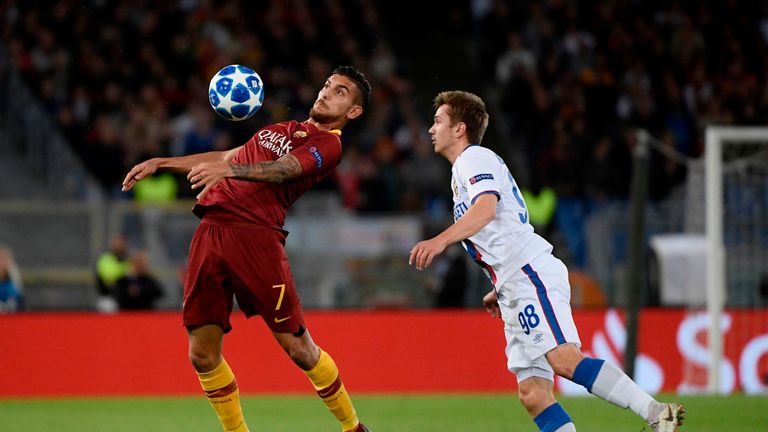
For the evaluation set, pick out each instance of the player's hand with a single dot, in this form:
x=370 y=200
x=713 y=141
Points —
x=491 y=304
x=138 y=172
x=424 y=252
x=207 y=175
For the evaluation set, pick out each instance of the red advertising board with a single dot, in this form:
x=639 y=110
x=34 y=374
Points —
x=673 y=353
x=381 y=351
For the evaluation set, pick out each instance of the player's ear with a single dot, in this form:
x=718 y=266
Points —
x=354 y=112
x=459 y=129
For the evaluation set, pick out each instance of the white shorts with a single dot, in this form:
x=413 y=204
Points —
x=535 y=307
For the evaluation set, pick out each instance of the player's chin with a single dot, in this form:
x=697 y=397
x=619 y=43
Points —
x=320 y=117
x=314 y=111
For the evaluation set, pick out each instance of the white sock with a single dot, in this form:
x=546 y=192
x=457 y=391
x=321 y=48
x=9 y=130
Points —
x=613 y=385
x=568 y=427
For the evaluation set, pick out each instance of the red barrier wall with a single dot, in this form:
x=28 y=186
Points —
x=399 y=351
x=126 y=354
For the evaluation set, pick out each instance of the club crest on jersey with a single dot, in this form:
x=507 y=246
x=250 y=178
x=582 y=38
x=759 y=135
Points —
x=455 y=188
x=318 y=157
x=275 y=142
x=480 y=177
x=299 y=134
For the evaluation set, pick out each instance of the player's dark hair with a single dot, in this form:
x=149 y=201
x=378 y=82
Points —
x=362 y=84
x=467 y=108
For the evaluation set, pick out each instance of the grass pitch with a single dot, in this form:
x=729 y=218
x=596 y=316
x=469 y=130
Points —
x=389 y=413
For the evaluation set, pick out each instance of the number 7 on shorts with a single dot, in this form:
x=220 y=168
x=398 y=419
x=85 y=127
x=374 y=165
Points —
x=280 y=299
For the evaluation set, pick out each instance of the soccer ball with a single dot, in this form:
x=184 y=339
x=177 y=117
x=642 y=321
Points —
x=236 y=92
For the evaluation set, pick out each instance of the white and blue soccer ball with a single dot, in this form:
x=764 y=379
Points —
x=236 y=92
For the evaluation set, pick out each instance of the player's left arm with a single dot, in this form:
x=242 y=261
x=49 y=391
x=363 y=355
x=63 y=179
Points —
x=480 y=214
x=206 y=175
x=316 y=157
x=278 y=171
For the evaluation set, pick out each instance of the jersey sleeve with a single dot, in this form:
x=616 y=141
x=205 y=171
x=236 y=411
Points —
x=319 y=155
x=480 y=175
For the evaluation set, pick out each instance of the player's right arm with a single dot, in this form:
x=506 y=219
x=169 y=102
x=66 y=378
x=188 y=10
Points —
x=480 y=214
x=491 y=303
x=180 y=164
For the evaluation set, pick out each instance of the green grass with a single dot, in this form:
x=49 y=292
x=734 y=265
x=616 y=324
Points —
x=390 y=413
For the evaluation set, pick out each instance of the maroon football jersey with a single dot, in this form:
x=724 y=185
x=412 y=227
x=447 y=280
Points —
x=266 y=204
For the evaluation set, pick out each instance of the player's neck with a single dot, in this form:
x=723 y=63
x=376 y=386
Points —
x=326 y=126
x=452 y=153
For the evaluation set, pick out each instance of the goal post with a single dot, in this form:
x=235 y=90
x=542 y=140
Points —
x=716 y=137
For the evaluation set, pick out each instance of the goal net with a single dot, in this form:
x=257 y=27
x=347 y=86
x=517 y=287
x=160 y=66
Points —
x=736 y=227
x=710 y=241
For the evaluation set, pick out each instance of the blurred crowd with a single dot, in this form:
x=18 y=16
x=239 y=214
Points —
x=128 y=79
x=576 y=78
x=569 y=81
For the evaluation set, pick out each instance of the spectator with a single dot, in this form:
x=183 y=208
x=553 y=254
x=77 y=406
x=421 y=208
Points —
x=202 y=136
x=138 y=289
x=516 y=57
x=762 y=289
x=160 y=189
x=453 y=274
x=110 y=267
x=11 y=299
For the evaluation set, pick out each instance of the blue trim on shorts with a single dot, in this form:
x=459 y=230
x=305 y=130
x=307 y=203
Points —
x=586 y=372
x=552 y=418
x=549 y=312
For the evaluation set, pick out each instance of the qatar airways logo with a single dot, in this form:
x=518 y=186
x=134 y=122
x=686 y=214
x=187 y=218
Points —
x=275 y=142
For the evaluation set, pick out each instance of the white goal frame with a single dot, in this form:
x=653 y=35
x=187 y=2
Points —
x=716 y=136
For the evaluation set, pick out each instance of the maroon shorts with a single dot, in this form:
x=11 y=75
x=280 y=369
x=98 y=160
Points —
x=248 y=263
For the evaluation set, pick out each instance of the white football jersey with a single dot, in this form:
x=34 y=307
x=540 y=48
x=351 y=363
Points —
x=508 y=242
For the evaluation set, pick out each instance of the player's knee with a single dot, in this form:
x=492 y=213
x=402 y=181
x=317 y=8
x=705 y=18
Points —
x=302 y=356
x=300 y=348
x=533 y=397
x=203 y=361
x=564 y=369
x=564 y=360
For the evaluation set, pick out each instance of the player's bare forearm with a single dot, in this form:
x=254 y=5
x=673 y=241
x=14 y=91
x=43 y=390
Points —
x=180 y=164
x=207 y=174
x=283 y=169
x=480 y=214
x=184 y=164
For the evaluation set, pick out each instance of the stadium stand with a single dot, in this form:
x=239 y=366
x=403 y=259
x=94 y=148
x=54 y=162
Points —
x=568 y=83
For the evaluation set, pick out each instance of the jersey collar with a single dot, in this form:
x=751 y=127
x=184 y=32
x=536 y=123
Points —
x=333 y=131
